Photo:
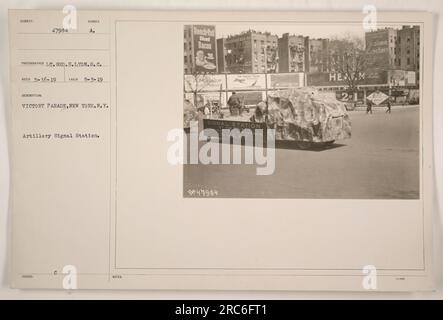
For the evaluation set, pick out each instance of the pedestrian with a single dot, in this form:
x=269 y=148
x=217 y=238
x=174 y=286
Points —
x=369 y=107
x=388 y=110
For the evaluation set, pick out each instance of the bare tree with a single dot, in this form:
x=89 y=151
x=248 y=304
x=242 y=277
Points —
x=348 y=58
x=197 y=82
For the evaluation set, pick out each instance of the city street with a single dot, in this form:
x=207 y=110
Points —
x=380 y=161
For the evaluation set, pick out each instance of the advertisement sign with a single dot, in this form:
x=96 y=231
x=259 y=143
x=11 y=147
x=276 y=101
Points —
x=345 y=96
x=375 y=77
x=339 y=79
x=377 y=49
x=286 y=80
x=411 y=79
x=377 y=42
x=401 y=77
x=204 y=45
x=397 y=77
x=219 y=125
x=246 y=81
x=349 y=96
x=204 y=82
x=377 y=97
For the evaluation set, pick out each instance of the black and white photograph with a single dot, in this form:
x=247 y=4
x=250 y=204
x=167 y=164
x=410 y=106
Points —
x=250 y=153
x=342 y=101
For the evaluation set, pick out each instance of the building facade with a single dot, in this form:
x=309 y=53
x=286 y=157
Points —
x=249 y=52
x=381 y=49
x=318 y=55
x=292 y=53
x=408 y=49
x=221 y=55
x=187 y=49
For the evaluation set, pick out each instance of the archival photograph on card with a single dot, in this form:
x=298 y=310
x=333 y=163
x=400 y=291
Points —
x=328 y=111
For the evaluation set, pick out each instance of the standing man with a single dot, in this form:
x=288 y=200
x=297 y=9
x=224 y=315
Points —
x=388 y=106
x=369 y=107
x=234 y=104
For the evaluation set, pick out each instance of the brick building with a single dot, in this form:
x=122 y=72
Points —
x=408 y=48
x=187 y=49
x=222 y=53
x=249 y=52
x=292 y=53
x=381 y=49
x=318 y=55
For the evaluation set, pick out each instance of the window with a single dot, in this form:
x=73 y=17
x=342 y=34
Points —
x=408 y=61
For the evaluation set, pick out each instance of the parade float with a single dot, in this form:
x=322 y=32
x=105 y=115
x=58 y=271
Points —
x=305 y=116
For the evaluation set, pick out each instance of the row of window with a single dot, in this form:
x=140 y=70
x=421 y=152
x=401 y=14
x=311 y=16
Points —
x=187 y=46
x=397 y=61
x=188 y=59
x=398 y=51
x=188 y=33
x=398 y=40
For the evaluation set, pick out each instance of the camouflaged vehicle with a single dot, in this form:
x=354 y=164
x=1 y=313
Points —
x=306 y=116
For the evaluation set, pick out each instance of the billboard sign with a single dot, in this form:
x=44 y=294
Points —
x=411 y=78
x=339 y=79
x=377 y=97
x=204 y=48
x=204 y=82
x=401 y=77
x=246 y=81
x=397 y=77
x=285 y=80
